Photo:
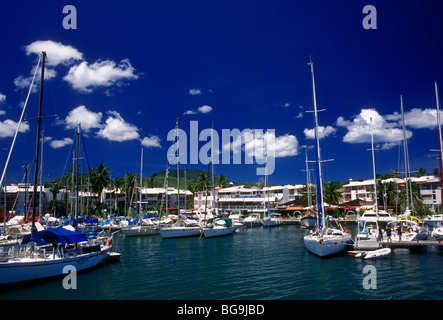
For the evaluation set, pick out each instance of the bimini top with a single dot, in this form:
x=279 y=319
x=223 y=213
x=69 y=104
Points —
x=51 y=235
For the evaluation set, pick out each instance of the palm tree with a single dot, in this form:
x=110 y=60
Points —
x=222 y=181
x=331 y=193
x=421 y=172
x=99 y=180
x=54 y=189
x=202 y=182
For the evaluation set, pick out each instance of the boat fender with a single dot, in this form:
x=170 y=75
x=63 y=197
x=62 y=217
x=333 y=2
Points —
x=109 y=242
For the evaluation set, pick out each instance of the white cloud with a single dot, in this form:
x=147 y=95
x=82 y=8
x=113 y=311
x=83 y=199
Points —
x=417 y=118
x=359 y=129
x=23 y=82
x=202 y=109
x=322 y=132
x=8 y=127
x=117 y=129
x=56 y=52
x=195 y=92
x=86 y=118
x=60 y=143
x=84 y=77
x=252 y=144
x=2 y=98
x=152 y=141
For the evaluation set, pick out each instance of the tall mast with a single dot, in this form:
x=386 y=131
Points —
x=308 y=180
x=320 y=203
x=178 y=171
x=77 y=174
x=37 y=151
x=440 y=143
x=373 y=170
x=141 y=183
x=405 y=147
x=212 y=164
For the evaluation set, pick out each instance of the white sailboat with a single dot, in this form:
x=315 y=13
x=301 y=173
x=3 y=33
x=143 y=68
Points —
x=325 y=241
x=140 y=229
x=46 y=253
x=183 y=227
x=220 y=226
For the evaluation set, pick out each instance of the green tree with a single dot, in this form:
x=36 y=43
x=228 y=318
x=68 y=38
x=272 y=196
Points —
x=54 y=189
x=99 y=180
x=421 y=172
x=222 y=181
x=202 y=182
x=331 y=193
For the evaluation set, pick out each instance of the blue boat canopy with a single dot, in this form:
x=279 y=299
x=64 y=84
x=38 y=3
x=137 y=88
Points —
x=59 y=234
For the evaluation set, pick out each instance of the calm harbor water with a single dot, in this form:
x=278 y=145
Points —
x=253 y=264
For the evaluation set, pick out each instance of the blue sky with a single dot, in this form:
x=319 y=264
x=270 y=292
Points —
x=130 y=69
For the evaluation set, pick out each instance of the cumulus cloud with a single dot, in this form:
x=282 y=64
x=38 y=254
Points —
x=417 y=118
x=151 y=142
x=202 y=109
x=253 y=142
x=86 y=118
x=8 y=127
x=84 y=77
x=117 y=129
x=195 y=92
x=23 y=82
x=55 y=144
x=56 y=52
x=388 y=134
x=322 y=132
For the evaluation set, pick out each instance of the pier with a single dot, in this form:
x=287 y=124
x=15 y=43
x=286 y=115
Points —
x=411 y=244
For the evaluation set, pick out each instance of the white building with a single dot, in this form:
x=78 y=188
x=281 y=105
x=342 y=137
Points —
x=364 y=190
x=246 y=199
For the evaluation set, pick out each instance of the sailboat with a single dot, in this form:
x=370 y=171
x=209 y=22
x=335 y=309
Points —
x=438 y=232
x=183 y=227
x=220 y=226
x=140 y=229
x=271 y=219
x=45 y=253
x=325 y=241
x=308 y=220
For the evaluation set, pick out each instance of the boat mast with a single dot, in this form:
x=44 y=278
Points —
x=373 y=169
x=405 y=154
x=37 y=151
x=320 y=203
x=141 y=183
x=178 y=172
x=440 y=144
x=77 y=174
x=213 y=179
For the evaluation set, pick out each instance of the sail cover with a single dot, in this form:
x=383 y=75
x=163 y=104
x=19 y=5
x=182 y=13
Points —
x=59 y=234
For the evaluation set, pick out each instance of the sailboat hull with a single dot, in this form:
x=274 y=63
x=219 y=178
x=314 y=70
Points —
x=180 y=232
x=219 y=232
x=326 y=246
x=27 y=269
x=140 y=231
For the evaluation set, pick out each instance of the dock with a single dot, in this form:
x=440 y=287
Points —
x=411 y=244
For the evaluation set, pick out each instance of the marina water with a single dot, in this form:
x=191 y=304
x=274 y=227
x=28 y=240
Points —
x=253 y=264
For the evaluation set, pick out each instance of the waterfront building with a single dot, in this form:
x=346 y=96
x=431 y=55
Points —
x=364 y=190
x=246 y=200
